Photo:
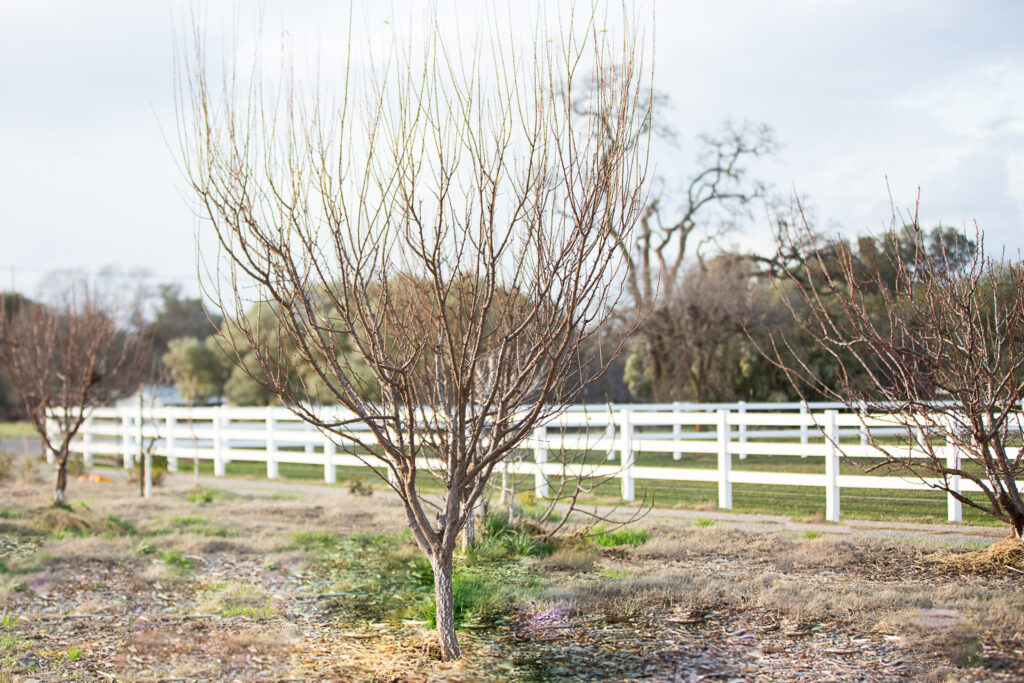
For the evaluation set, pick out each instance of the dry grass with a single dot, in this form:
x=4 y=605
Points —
x=77 y=521
x=1007 y=552
x=574 y=559
x=246 y=568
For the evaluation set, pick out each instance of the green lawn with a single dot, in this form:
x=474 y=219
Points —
x=801 y=502
x=16 y=430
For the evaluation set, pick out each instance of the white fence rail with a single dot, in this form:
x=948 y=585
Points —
x=273 y=435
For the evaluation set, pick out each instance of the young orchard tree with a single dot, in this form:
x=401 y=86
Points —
x=460 y=232
x=929 y=330
x=84 y=347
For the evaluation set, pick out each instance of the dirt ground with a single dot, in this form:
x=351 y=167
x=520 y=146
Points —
x=214 y=588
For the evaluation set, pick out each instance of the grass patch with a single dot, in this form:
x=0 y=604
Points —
x=385 y=577
x=64 y=521
x=201 y=495
x=313 y=541
x=176 y=562
x=17 y=430
x=503 y=541
x=197 y=524
x=240 y=600
x=621 y=536
x=479 y=597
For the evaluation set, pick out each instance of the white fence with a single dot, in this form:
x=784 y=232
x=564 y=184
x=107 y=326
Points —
x=273 y=435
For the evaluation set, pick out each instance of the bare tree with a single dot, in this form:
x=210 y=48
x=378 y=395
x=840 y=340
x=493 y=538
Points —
x=462 y=225
x=930 y=331
x=83 y=348
x=699 y=335
x=708 y=205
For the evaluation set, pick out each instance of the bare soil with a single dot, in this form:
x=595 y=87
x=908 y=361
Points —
x=118 y=588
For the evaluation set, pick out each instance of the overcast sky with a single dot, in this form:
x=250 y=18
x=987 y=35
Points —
x=927 y=94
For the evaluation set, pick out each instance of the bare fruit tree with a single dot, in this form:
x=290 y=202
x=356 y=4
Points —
x=667 y=238
x=929 y=331
x=459 y=231
x=84 y=347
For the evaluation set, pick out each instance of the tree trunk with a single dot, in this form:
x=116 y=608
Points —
x=469 y=531
x=443 y=596
x=60 y=479
x=659 y=390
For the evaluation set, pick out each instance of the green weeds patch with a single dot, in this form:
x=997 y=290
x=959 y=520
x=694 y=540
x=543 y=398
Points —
x=621 y=536
x=202 y=494
x=313 y=541
x=239 y=600
x=176 y=562
x=380 y=577
x=196 y=524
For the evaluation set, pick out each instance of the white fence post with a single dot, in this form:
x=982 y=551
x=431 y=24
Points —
x=628 y=457
x=862 y=410
x=609 y=432
x=271 y=425
x=724 y=462
x=330 y=470
x=126 y=439
x=804 y=427
x=540 y=456
x=831 y=467
x=743 y=430
x=677 y=434
x=218 y=442
x=145 y=454
x=310 y=447
x=169 y=445
x=87 y=442
x=954 y=508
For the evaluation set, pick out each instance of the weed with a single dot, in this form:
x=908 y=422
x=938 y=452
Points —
x=176 y=562
x=484 y=598
x=621 y=536
x=489 y=549
x=10 y=514
x=123 y=525
x=240 y=600
x=525 y=545
x=314 y=540
x=74 y=652
x=8 y=620
x=359 y=488
x=199 y=525
x=202 y=494
x=145 y=548
x=811 y=535
x=8 y=642
x=501 y=541
x=191 y=520
x=704 y=522
x=616 y=573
